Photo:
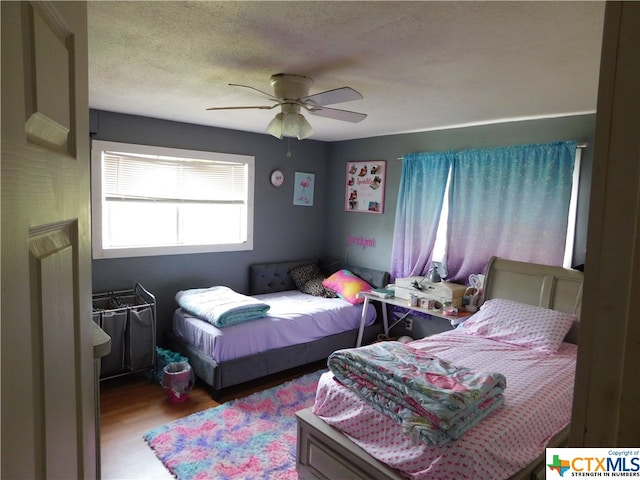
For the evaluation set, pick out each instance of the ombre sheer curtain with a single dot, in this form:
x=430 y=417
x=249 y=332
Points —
x=512 y=202
x=420 y=198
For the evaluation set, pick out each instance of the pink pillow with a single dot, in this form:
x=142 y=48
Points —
x=347 y=285
x=529 y=326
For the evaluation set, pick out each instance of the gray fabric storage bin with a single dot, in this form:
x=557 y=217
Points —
x=114 y=323
x=129 y=318
x=139 y=341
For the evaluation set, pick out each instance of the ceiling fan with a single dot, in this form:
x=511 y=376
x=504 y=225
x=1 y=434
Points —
x=291 y=94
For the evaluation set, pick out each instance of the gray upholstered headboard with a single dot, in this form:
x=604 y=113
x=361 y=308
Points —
x=534 y=284
x=274 y=277
x=375 y=278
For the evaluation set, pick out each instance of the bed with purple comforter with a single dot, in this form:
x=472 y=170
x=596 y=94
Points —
x=295 y=330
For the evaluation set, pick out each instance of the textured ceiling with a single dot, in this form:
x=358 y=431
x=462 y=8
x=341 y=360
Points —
x=420 y=65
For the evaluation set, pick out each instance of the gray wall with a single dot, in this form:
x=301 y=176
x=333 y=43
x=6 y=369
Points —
x=341 y=224
x=283 y=231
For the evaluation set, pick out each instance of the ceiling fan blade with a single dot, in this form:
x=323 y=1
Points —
x=260 y=107
x=255 y=90
x=337 y=95
x=337 y=114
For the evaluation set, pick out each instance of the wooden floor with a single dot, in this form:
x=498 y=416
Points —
x=131 y=405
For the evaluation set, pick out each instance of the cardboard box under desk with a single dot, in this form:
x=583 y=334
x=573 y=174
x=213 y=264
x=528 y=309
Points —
x=440 y=292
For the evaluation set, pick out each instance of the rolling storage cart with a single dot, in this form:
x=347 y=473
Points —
x=129 y=318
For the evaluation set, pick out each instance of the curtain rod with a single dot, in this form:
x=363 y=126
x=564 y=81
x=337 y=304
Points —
x=578 y=145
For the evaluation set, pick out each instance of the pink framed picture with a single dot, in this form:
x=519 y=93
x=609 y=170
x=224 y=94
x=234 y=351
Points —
x=364 y=189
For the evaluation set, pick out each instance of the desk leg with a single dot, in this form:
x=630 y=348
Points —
x=363 y=318
x=385 y=319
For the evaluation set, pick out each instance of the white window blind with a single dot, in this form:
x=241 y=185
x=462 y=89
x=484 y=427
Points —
x=155 y=201
x=131 y=177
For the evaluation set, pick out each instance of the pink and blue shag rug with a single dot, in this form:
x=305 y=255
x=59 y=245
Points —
x=249 y=438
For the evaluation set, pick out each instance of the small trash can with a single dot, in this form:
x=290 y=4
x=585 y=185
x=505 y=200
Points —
x=178 y=379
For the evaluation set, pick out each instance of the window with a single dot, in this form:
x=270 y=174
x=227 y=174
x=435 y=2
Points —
x=440 y=247
x=161 y=201
x=518 y=202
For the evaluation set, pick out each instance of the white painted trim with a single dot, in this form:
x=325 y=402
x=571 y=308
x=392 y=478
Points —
x=98 y=146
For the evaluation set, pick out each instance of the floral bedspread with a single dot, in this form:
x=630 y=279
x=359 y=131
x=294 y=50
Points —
x=434 y=400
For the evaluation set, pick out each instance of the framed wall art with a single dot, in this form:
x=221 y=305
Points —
x=303 y=189
x=365 y=184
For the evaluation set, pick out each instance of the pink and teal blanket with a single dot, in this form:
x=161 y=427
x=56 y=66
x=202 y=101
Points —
x=434 y=400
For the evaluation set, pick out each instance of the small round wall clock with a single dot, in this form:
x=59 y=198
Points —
x=277 y=178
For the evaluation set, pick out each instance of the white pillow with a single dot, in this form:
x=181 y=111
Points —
x=529 y=326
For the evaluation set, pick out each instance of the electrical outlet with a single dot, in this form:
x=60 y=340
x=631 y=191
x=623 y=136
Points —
x=408 y=324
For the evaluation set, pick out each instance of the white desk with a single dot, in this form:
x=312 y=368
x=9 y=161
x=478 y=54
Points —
x=400 y=302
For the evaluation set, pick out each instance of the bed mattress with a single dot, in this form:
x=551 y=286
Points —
x=538 y=401
x=294 y=318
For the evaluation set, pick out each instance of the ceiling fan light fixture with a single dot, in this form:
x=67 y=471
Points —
x=291 y=94
x=295 y=125
x=275 y=126
x=290 y=125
